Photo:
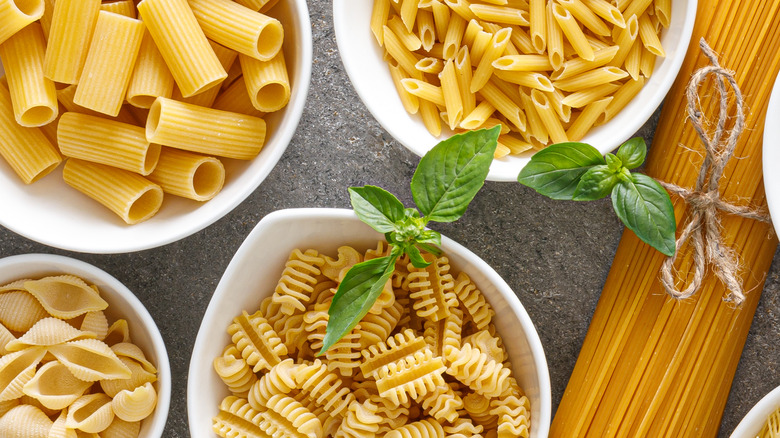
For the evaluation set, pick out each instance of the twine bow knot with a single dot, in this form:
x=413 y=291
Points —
x=704 y=229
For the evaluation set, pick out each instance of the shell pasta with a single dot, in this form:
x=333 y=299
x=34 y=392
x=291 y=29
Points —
x=385 y=378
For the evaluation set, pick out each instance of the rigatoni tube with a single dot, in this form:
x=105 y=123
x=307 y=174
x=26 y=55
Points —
x=182 y=44
x=16 y=14
x=71 y=30
x=267 y=82
x=205 y=130
x=151 y=77
x=107 y=142
x=239 y=28
x=129 y=195
x=112 y=54
x=188 y=174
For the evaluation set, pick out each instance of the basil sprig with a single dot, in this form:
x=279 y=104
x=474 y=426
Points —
x=577 y=171
x=444 y=183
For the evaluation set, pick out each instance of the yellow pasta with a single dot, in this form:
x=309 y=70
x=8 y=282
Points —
x=587 y=119
x=32 y=94
x=586 y=16
x=184 y=47
x=127 y=194
x=266 y=82
x=26 y=150
x=452 y=95
x=188 y=175
x=607 y=11
x=15 y=15
x=204 y=130
x=106 y=74
x=548 y=117
x=649 y=36
x=538 y=24
x=121 y=7
x=54 y=386
x=426 y=28
x=501 y=14
x=621 y=98
x=379 y=14
x=554 y=38
x=493 y=51
x=572 y=31
x=408 y=13
x=409 y=39
x=72 y=24
x=151 y=77
x=107 y=142
x=453 y=37
x=424 y=90
x=135 y=405
x=239 y=28
x=91 y=413
x=236 y=99
x=25 y=420
x=592 y=78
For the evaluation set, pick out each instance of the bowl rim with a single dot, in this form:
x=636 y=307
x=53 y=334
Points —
x=337 y=214
x=204 y=214
x=755 y=419
x=39 y=264
x=346 y=30
x=771 y=154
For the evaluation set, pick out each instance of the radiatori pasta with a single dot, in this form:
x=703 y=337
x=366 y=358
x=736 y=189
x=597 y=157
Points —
x=426 y=362
x=106 y=90
x=55 y=367
x=561 y=55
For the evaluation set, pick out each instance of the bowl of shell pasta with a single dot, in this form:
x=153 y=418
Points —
x=445 y=350
x=79 y=354
x=129 y=125
x=546 y=71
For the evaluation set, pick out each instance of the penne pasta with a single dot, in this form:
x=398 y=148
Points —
x=621 y=98
x=663 y=10
x=109 y=64
x=634 y=59
x=410 y=102
x=188 y=174
x=396 y=50
x=239 y=28
x=426 y=29
x=411 y=41
x=424 y=90
x=267 y=82
x=554 y=38
x=204 y=130
x=598 y=76
x=131 y=196
x=572 y=31
x=379 y=13
x=462 y=8
x=587 y=119
x=576 y=66
x=72 y=24
x=515 y=145
x=548 y=117
x=501 y=14
x=649 y=36
x=530 y=63
x=441 y=19
x=15 y=15
x=430 y=65
x=453 y=37
x=430 y=117
x=535 y=126
x=625 y=39
x=478 y=116
x=408 y=13
x=585 y=96
x=526 y=79
x=485 y=68
x=184 y=47
x=503 y=104
x=107 y=142
x=538 y=24
x=463 y=70
x=33 y=95
x=586 y=17
x=607 y=11
x=452 y=96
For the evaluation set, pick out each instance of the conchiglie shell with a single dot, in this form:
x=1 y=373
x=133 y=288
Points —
x=96 y=323
x=25 y=421
x=81 y=434
x=139 y=377
x=19 y=310
x=59 y=430
x=14 y=285
x=7 y=405
x=90 y=413
x=65 y=296
x=16 y=369
x=55 y=387
x=122 y=429
x=133 y=351
x=48 y=332
x=118 y=332
x=90 y=360
x=135 y=405
x=27 y=400
x=5 y=337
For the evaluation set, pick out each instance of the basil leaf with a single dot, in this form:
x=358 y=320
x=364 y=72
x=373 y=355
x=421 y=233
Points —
x=645 y=208
x=613 y=162
x=377 y=207
x=450 y=175
x=430 y=248
x=556 y=170
x=430 y=236
x=416 y=258
x=357 y=292
x=596 y=183
x=632 y=153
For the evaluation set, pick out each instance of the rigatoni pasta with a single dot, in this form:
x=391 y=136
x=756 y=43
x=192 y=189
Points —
x=73 y=22
x=188 y=174
x=15 y=15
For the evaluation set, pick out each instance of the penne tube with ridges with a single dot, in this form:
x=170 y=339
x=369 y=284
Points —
x=151 y=77
x=266 y=82
x=69 y=38
x=107 y=142
x=112 y=54
x=183 y=45
x=129 y=195
x=188 y=174
x=26 y=150
x=587 y=119
x=204 y=130
x=33 y=95
x=239 y=28
x=15 y=15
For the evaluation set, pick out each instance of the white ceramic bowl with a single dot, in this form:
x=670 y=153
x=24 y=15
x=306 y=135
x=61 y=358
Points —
x=771 y=155
x=257 y=266
x=121 y=304
x=53 y=213
x=756 y=418
x=362 y=58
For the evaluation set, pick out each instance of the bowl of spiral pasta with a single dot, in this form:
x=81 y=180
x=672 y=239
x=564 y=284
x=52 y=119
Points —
x=446 y=350
x=79 y=353
x=546 y=71
x=129 y=125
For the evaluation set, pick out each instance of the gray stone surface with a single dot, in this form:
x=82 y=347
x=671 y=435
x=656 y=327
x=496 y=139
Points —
x=555 y=255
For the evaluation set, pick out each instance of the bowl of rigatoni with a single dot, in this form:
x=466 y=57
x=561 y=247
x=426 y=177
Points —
x=547 y=71
x=129 y=125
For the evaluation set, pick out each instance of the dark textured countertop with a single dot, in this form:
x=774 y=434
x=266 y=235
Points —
x=555 y=255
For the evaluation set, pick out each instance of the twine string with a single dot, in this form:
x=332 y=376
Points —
x=703 y=228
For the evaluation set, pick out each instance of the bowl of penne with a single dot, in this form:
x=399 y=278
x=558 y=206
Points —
x=118 y=137
x=106 y=367
x=547 y=71
x=256 y=354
